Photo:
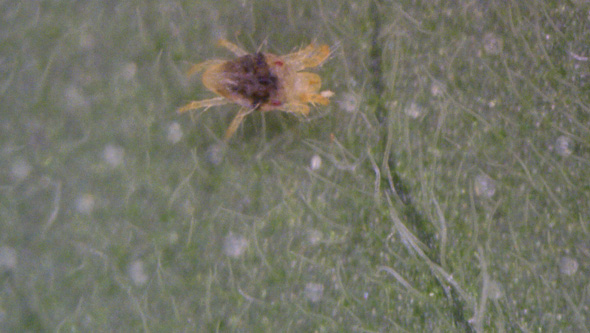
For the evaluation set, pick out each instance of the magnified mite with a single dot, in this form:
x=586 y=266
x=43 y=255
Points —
x=262 y=81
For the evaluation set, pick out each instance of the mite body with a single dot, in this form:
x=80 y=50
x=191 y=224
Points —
x=262 y=81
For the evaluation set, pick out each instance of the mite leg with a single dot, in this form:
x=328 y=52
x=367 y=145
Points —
x=311 y=56
x=235 y=123
x=317 y=99
x=202 y=66
x=232 y=47
x=297 y=108
x=207 y=103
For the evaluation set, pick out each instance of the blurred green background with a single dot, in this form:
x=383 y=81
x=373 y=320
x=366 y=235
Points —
x=444 y=188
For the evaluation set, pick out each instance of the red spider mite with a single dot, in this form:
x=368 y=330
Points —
x=262 y=81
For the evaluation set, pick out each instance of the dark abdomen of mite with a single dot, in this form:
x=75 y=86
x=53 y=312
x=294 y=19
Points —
x=251 y=77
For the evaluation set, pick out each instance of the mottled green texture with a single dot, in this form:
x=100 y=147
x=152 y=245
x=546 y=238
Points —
x=478 y=110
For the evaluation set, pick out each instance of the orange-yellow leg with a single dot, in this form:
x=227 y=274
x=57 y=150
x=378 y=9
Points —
x=235 y=123
x=297 y=108
x=302 y=108
x=317 y=99
x=232 y=47
x=311 y=56
x=207 y=103
x=202 y=66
